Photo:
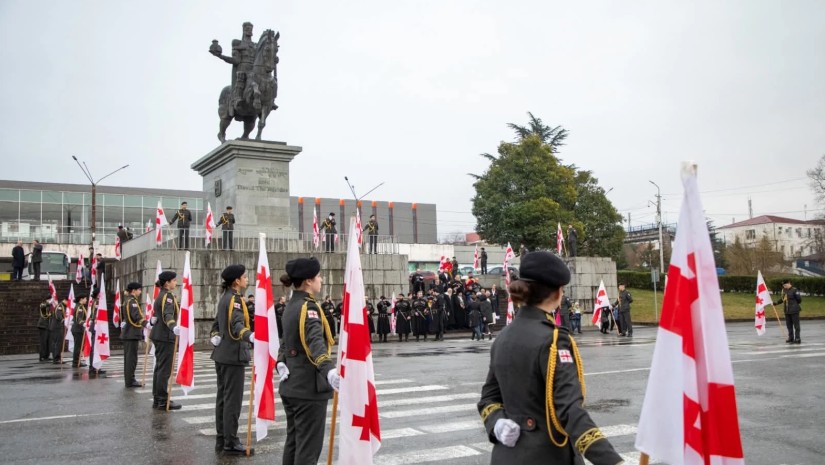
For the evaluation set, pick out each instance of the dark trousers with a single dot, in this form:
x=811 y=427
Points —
x=792 y=322
x=56 y=344
x=627 y=324
x=305 y=424
x=329 y=245
x=183 y=238
x=130 y=358
x=163 y=370
x=44 y=343
x=571 y=248
x=17 y=273
x=228 y=239
x=78 y=344
x=576 y=324
x=373 y=243
x=565 y=319
x=228 y=402
x=36 y=269
x=483 y=267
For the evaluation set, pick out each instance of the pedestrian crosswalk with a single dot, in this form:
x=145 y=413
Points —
x=420 y=422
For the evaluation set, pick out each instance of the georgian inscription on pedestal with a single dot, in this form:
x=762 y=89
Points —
x=266 y=180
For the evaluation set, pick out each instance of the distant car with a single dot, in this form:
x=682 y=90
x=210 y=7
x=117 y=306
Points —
x=464 y=270
x=499 y=270
x=55 y=264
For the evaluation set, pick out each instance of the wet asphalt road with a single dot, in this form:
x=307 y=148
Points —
x=427 y=393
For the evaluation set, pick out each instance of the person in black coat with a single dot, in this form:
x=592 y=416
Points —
x=57 y=332
x=402 y=318
x=475 y=319
x=81 y=313
x=37 y=258
x=279 y=315
x=371 y=316
x=45 y=309
x=18 y=261
x=486 y=313
x=383 y=319
x=164 y=331
x=790 y=301
x=532 y=404
x=231 y=355
x=420 y=313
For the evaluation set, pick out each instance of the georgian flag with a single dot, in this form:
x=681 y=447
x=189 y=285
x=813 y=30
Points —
x=87 y=325
x=101 y=330
x=52 y=292
x=360 y=435
x=93 y=272
x=266 y=345
x=69 y=319
x=117 y=248
x=442 y=264
x=600 y=301
x=150 y=311
x=559 y=240
x=689 y=414
x=78 y=274
x=210 y=223
x=160 y=222
x=185 y=375
x=475 y=258
x=392 y=315
x=116 y=310
x=763 y=298
x=358 y=225
x=316 y=233
x=508 y=255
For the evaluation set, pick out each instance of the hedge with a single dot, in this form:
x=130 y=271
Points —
x=810 y=286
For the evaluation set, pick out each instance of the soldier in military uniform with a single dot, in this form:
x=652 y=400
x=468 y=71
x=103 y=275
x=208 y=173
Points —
x=370 y=316
x=45 y=309
x=80 y=315
x=279 y=315
x=227 y=224
x=383 y=319
x=328 y=308
x=564 y=308
x=307 y=371
x=57 y=331
x=250 y=307
x=184 y=219
x=132 y=333
x=92 y=318
x=439 y=317
x=330 y=231
x=537 y=416
x=164 y=331
x=231 y=356
x=420 y=312
x=623 y=302
x=402 y=318
x=372 y=233
x=791 y=300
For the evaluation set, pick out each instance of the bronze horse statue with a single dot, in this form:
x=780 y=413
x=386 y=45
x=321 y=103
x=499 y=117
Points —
x=255 y=98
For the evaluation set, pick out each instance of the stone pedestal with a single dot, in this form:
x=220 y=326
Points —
x=253 y=178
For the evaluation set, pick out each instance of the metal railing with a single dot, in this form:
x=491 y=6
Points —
x=247 y=240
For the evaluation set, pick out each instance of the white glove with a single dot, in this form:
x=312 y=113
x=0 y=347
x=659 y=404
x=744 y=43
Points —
x=176 y=330
x=216 y=341
x=251 y=338
x=123 y=325
x=334 y=379
x=153 y=320
x=507 y=431
x=283 y=371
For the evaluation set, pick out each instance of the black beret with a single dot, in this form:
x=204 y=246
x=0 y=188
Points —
x=303 y=268
x=786 y=281
x=233 y=272
x=133 y=286
x=166 y=276
x=544 y=268
x=331 y=214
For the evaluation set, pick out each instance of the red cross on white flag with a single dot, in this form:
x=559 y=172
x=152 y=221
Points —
x=600 y=302
x=101 y=341
x=763 y=298
x=185 y=376
x=209 y=224
x=689 y=414
x=78 y=274
x=160 y=222
x=266 y=345
x=360 y=435
x=69 y=319
x=508 y=255
x=316 y=233
x=117 y=248
x=116 y=310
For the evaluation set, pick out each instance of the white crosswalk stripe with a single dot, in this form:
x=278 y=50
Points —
x=445 y=414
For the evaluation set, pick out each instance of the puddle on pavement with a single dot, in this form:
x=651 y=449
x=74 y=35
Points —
x=606 y=405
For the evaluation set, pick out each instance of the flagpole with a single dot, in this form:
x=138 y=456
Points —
x=778 y=321
x=251 y=407
x=63 y=346
x=145 y=361
x=171 y=375
x=332 y=427
x=644 y=459
x=82 y=346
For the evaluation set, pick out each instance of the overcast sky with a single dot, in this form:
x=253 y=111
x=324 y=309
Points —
x=410 y=92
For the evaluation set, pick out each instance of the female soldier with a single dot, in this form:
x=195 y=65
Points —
x=80 y=314
x=231 y=355
x=164 y=330
x=531 y=403
x=308 y=374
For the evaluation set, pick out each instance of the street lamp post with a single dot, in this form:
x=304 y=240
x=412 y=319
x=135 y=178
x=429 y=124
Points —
x=94 y=183
x=659 y=221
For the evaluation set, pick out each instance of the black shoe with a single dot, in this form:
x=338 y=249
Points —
x=172 y=405
x=237 y=449
x=219 y=445
x=58 y=362
x=92 y=371
x=798 y=341
x=134 y=384
x=788 y=341
x=82 y=365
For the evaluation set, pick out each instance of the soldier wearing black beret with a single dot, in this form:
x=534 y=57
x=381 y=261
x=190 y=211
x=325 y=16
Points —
x=307 y=371
x=231 y=356
x=80 y=315
x=164 y=331
x=132 y=333
x=535 y=417
x=330 y=231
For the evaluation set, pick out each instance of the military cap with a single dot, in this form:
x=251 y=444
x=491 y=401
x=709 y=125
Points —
x=133 y=286
x=166 y=276
x=303 y=268
x=786 y=281
x=544 y=268
x=331 y=214
x=232 y=272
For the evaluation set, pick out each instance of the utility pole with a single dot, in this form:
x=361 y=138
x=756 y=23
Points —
x=85 y=169
x=750 y=208
x=659 y=221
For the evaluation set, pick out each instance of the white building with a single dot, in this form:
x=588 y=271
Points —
x=794 y=238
